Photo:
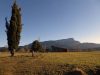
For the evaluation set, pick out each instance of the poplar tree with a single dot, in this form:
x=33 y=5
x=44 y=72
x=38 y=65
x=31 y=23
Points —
x=13 y=29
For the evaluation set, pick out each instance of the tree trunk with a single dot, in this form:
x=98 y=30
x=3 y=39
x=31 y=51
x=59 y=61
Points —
x=12 y=53
x=32 y=53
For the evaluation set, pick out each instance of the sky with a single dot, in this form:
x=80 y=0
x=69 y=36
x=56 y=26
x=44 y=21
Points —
x=54 y=19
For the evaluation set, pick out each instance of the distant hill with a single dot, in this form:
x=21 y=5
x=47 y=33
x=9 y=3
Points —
x=69 y=43
x=89 y=45
x=64 y=43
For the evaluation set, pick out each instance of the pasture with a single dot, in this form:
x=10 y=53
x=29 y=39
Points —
x=49 y=63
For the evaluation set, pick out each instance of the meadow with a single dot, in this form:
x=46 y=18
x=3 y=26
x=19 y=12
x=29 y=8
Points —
x=49 y=63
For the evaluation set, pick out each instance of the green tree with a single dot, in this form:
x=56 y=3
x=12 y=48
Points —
x=13 y=29
x=36 y=47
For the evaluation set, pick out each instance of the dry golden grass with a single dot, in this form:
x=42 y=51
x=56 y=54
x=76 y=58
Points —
x=48 y=63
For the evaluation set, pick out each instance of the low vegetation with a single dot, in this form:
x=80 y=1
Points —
x=63 y=63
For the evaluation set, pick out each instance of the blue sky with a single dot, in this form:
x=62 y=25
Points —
x=54 y=19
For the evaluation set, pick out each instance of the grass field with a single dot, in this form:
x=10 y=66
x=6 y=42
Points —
x=49 y=63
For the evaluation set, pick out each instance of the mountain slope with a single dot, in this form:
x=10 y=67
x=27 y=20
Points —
x=69 y=43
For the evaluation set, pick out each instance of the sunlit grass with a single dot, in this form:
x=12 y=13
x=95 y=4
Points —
x=47 y=63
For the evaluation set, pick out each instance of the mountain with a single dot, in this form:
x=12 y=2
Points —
x=69 y=43
x=89 y=45
x=64 y=43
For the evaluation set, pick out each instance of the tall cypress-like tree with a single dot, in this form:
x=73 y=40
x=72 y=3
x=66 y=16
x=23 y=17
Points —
x=13 y=29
